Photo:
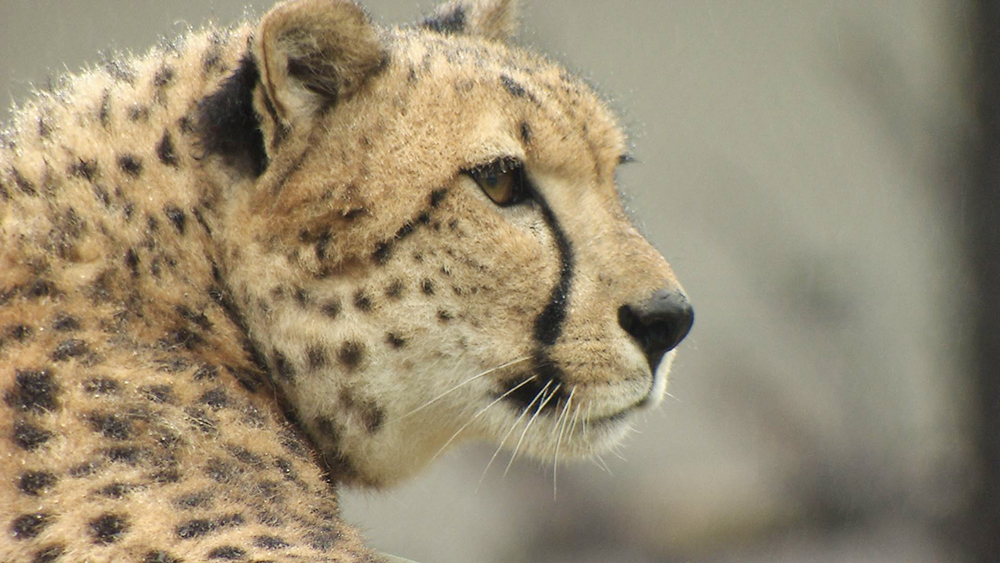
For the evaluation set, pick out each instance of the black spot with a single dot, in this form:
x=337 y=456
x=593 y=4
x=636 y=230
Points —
x=513 y=87
x=325 y=538
x=24 y=184
x=525 y=132
x=71 y=348
x=176 y=216
x=285 y=466
x=284 y=368
x=204 y=372
x=395 y=340
x=437 y=196
x=132 y=261
x=194 y=528
x=302 y=297
x=317 y=357
x=246 y=456
x=130 y=164
x=41 y=288
x=331 y=309
x=230 y=520
x=228 y=553
x=108 y=528
x=129 y=455
x=117 y=490
x=28 y=526
x=448 y=23
x=29 y=437
x=157 y=393
x=65 y=323
x=138 y=112
x=20 y=333
x=34 y=483
x=215 y=398
x=163 y=76
x=227 y=121
x=114 y=426
x=201 y=499
x=104 y=112
x=160 y=557
x=201 y=420
x=85 y=469
x=354 y=213
x=201 y=220
x=270 y=542
x=119 y=69
x=444 y=316
x=351 y=354
x=211 y=61
x=427 y=286
x=371 y=415
x=182 y=337
x=197 y=318
x=321 y=245
x=101 y=193
x=101 y=386
x=166 y=476
x=383 y=251
x=395 y=289
x=48 y=554
x=85 y=169
x=362 y=302
x=34 y=390
x=166 y=152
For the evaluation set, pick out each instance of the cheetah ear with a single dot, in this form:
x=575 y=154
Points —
x=492 y=19
x=313 y=53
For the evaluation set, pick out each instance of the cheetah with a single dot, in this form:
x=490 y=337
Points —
x=265 y=261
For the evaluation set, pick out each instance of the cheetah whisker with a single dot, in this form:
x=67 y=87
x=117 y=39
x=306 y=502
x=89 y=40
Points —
x=527 y=427
x=511 y=431
x=561 y=426
x=478 y=414
x=460 y=385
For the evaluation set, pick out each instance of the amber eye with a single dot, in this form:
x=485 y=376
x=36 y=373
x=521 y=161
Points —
x=502 y=181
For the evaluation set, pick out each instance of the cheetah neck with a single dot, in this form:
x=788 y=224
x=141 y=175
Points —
x=107 y=205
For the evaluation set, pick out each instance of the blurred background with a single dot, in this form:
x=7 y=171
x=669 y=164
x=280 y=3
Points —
x=820 y=174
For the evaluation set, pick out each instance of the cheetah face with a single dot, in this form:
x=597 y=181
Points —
x=439 y=252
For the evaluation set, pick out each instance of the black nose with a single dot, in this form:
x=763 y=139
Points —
x=658 y=324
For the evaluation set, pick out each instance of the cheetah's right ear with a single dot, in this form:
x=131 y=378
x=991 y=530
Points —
x=313 y=53
x=492 y=19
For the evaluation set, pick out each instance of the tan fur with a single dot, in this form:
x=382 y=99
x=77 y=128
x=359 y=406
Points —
x=190 y=353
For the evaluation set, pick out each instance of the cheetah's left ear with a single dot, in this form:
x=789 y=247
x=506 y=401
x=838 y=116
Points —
x=492 y=19
x=313 y=53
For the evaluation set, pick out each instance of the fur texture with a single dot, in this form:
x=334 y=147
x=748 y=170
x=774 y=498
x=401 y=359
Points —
x=255 y=263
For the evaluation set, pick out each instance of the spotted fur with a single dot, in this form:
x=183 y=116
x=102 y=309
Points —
x=254 y=264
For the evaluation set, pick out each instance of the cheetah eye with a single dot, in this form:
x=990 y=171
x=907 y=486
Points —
x=502 y=180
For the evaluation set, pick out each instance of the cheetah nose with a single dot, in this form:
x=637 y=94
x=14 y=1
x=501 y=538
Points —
x=658 y=324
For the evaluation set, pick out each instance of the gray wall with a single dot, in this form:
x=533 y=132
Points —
x=799 y=166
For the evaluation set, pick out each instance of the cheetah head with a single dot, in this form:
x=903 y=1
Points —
x=422 y=231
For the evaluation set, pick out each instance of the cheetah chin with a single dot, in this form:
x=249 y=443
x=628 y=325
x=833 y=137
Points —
x=308 y=250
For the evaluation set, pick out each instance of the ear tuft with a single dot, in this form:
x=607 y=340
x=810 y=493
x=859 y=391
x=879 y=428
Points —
x=491 y=19
x=313 y=53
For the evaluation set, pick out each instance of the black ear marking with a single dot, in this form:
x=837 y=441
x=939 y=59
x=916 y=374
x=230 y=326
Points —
x=227 y=123
x=451 y=22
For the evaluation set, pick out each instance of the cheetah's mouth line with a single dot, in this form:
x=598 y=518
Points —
x=537 y=393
